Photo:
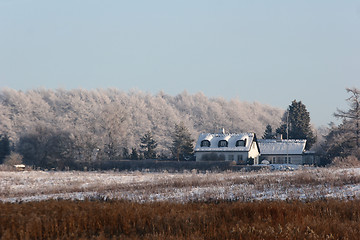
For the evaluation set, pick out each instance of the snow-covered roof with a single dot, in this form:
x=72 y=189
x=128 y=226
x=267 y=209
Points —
x=281 y=147
x=231 y=139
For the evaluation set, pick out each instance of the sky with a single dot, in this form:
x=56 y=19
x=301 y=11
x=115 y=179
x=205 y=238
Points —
x=271 y=52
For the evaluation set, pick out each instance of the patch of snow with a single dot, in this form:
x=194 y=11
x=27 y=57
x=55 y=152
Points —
x=178 y=187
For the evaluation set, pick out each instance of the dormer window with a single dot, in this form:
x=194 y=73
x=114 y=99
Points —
x=240 y=143
x=205 y=143
x=223 y=143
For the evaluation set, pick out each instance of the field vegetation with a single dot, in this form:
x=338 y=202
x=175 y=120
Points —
x=322 y=219
x=309 y=203
x=143 y=186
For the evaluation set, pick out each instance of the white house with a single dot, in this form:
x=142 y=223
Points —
x=281 y=151
x=227 y=147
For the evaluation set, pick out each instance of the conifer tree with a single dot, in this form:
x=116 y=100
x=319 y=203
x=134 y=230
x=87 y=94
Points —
x=126 y=154
x=148 y=144
x=183 y=145
x=134 y=154
x=268 y=134
x=296 y=122
x=4 y=147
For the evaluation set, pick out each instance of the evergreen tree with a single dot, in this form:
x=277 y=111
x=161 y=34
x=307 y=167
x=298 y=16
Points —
x=126 y=154
x=4 y=147
x=134 y=154
x=183 y=145
x=338 y=143
x=296 y=122
x=268 y=134
x=148 y=144
x=282 y=130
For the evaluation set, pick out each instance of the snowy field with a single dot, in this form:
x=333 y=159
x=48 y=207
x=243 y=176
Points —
x=306 y=184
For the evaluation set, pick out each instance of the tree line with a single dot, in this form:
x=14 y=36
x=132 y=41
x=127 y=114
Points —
x=61 y=127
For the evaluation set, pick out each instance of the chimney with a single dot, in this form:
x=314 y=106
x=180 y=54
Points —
x=278 y=137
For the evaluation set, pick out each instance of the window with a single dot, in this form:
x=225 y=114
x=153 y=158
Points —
x=240 y=157
x=231 y=157
x=240 y=143
x=222 y=143
x=205 y=143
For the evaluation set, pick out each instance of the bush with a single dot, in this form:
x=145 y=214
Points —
x=14 y=159
x=4 y=168
x=350 y=161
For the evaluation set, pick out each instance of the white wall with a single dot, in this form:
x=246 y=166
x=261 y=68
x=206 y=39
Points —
x=254 y=153
x=282 y=159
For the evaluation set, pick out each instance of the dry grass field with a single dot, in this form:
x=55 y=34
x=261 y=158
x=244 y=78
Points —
x=307 y=184
x=322 y=219
x=319 y=203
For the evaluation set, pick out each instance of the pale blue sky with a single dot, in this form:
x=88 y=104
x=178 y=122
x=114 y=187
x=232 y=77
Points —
x=271 y=52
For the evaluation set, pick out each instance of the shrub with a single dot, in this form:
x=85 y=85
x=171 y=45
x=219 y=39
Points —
x=350 y=161
x=14 y=159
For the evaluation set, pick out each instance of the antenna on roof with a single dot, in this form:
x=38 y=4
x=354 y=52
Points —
x=287 y=136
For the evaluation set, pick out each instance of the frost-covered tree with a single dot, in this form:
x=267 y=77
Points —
x=97 y=128
x=183 y=144
x=111 y=129
x=337 y=142
x=343 y=140
x=148 y=144
x=352 y=115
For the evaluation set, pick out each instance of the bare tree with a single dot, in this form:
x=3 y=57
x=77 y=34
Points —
x=343 y=139
x=352 y=115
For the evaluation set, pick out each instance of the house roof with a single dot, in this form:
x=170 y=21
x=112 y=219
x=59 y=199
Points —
x=281 y=147
x=231 y=138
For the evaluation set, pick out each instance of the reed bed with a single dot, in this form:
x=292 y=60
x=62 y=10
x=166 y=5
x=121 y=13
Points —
x=321 y=219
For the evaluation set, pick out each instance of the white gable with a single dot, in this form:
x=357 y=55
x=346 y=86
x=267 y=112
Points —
x=282 y=147
x=215 y=138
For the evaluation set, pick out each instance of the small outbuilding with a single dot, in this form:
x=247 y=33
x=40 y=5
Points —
x=20 y=167
x=281 y=151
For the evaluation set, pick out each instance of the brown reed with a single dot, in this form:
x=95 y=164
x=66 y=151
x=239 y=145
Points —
x=322 y=219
